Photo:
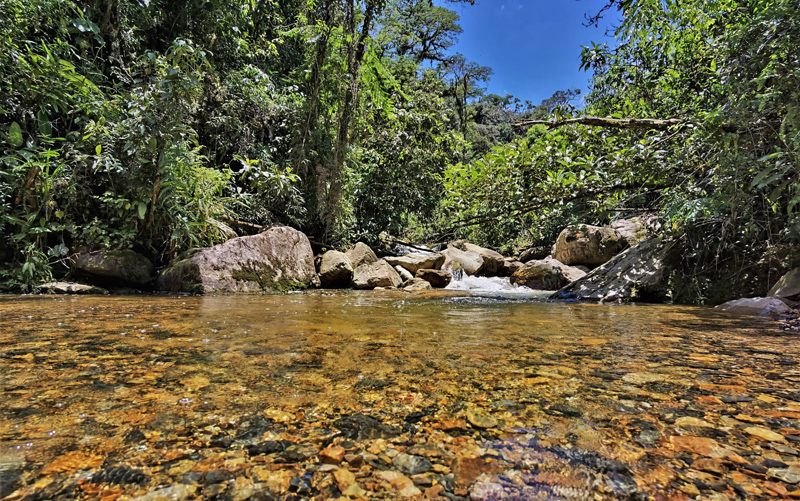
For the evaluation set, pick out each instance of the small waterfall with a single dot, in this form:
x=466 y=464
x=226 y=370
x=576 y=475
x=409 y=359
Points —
x=492 y=287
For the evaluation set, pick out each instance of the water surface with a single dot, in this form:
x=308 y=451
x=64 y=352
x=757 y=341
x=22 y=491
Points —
x=253 y=397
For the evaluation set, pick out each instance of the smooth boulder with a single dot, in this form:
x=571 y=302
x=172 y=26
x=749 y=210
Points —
x=361 y=254
x=757 y=306
x=493 y=261
x=587 y=245
x=439 y=279
x=472 y=259
x=335 y=269
x=377 y=274
x=116 y=267
x=279 y=259
x=415 y=262
x=417 y=284
x=788 y=287
x=638 y=273
x=545 y=274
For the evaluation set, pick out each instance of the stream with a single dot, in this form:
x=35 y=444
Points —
x=385 y=395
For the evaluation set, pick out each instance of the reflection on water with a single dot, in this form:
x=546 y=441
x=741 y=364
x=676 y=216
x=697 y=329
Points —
x=384 y=395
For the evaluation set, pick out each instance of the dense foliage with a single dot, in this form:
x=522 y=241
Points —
x=152 y=124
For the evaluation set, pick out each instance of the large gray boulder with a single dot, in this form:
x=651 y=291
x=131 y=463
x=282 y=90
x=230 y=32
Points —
x=758 y=306
x=415 y=262
x=639 y=272
x=473 y=260
x=788 y=287
x=588 y=245
x=335 y=269
x=279 y=259
x=492 y=261
x=377 y=274
x=116 y=267
x=361 y=254
x=546 y=274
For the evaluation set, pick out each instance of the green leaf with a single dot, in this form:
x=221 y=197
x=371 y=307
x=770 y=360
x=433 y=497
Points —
x=44 y=124
x=15 y=135
x=142 y=208
x=98 y=149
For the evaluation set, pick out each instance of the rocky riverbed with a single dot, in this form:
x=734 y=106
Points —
x=353 y=395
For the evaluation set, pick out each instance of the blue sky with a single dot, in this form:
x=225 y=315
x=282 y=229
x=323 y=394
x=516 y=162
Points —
x=533 y=46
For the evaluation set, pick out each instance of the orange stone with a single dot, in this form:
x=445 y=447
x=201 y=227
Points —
x=332 y=455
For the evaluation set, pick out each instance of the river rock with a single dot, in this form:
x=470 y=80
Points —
x=546 y=274
x=492 y=261
x=439 y=279
x=416 y=284
x=588 y=245
x=788 y=287
x=473 y=260
x=534 y=254
x=458 y=260
x=415 y=262
x=758 y=306
x=377 y=274
x=117 y=267
x=335 y=269
x=410 y=464
x=639 y=272
x=361 y=254
x=70 y=288
x=405 y=275
x=279 y=259
x=510 y=266
x=633 y=230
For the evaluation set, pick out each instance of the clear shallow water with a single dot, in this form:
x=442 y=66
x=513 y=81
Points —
x=240 y=397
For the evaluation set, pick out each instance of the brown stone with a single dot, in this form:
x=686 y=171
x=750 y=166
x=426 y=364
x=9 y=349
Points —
x=438 y=279
x=332 y=455
x=466 y=470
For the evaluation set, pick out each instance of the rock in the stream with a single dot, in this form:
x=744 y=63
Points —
x=70 y=288
x=534 y=253
x=546 y=274
x=588 y=245
x=758 y=306
x=472 y=259
x=405 y=275
x=335 y=269
x=416 y=284
x=119 y=267
x=510 y=266
x=377 y=274
x=361 y=254
x=788 y=287
x=279 y=259
x=415 y=262
x=438 y=279
x=492 y=261
x=637 y=273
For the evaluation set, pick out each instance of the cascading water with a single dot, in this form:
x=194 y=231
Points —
x=493 y=287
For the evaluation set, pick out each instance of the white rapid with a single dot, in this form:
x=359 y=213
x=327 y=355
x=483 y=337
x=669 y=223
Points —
x=494 y=287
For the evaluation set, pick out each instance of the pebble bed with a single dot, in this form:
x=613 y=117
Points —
x=381 y=396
